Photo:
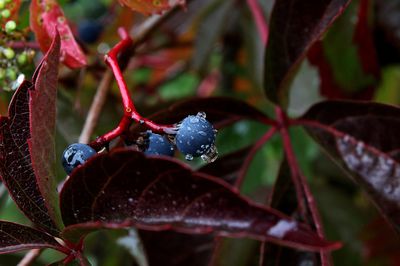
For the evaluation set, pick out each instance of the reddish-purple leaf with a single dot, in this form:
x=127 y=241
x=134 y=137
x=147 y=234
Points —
x=125 y=188
x=16 y=237
x=42 y=110
x=220 y=111
x=294 y=27
x=361 y=137
x=174 y=249
x=27 y=145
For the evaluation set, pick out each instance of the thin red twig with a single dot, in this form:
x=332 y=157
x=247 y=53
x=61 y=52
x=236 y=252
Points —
x=301 y=180
x=130 y=112
x=287 y=145
x=249 y=158
x=260 y=20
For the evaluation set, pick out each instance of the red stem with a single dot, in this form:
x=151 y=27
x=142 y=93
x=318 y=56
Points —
x=295 y=171
x=130 y=112
x=300 y=178
x=260 y=20
x=249 y=158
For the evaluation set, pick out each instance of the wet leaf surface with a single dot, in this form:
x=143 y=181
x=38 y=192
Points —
x=361 y=137
x=295 y=25
x=124 y=188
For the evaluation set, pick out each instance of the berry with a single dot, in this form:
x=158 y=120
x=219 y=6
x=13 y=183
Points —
x=159 y=145
x=10 y=26
x=89 y=31
x=195 y=136
x=76 y=154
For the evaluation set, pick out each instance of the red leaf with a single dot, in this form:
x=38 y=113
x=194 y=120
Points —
x=27 y=145
x=124 y=188
x=364 y=43
x=363 y=37
x=294 y=27
x=46 y=17
x=42 y=110
x=361 y=137
x=150 y=6
x=16 y=237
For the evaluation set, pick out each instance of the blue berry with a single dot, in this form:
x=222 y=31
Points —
x=89 y=31
x=195 y=136
x=76 y=154
x=159 y=145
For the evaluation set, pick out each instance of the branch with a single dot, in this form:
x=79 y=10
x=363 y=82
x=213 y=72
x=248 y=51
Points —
x=249 y=158
x=259 y=19
x=300 y=180
x=30 y=257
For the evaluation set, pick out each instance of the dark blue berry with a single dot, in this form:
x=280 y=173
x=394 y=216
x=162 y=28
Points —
x=195 y=136
x=76 y=154
x=89 y=31
x=159 y=145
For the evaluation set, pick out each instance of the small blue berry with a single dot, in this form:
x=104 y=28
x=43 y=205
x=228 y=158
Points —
x=76 y=154
x=89 y=31
x=159 y=145
x=195 y=136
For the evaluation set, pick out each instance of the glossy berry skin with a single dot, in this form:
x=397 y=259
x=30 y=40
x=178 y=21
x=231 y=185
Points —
x=159 y=145
x=89 y=31
x=76 y=154
x=195 y=136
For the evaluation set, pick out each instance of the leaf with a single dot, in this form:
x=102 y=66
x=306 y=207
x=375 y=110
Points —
x=16 y=237
x=124 y=188
x=363 y=138
x=220 y=111
x=149 y=7
x=42 y=110
x=27 y=145
x=175 y=249
x=295 y=26
x=346 y=58
x=47 y=17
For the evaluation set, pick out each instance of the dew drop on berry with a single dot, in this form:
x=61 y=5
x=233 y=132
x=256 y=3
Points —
x=194 y=119
x=189 y=157
x=211 y=155
x=202 y=114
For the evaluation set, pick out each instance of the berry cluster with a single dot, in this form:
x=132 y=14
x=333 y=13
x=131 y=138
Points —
x=194 y=137
x=12 y=61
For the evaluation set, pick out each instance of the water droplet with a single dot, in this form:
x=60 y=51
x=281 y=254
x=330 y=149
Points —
x=211 y=155
x=201 y=115
x=202 y=133
x=194 y=119
x=189 y=157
